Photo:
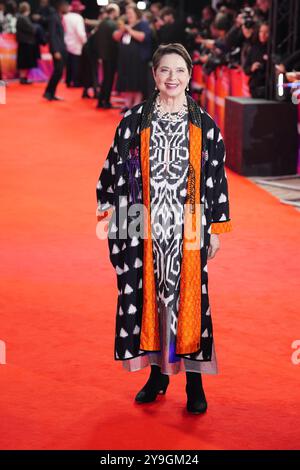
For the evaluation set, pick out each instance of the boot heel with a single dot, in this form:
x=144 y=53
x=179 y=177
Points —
x=150 y=390
x=163 y=389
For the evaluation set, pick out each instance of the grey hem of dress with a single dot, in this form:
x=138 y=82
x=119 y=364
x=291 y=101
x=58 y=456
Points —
x=183 y=365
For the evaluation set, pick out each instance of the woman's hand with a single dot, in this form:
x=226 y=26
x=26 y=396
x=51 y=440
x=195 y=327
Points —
x=214 y=245
x=255 y=66
x=118 y=33
x=280 y=68
x=137 y=35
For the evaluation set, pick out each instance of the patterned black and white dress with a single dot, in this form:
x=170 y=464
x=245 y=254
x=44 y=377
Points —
x=169 y=161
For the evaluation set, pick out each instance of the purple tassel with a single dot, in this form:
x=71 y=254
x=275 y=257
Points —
x=132 y=165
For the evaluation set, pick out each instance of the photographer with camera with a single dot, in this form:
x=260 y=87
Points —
x=256 y=62
x=173 y=29
x=213 y=51
x=240 y=38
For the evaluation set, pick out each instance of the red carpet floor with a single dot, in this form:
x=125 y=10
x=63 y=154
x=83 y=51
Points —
x=60 y=387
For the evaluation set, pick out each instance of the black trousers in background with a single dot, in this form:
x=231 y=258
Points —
x=72 y=72
x=58 y=69
x=109 y=69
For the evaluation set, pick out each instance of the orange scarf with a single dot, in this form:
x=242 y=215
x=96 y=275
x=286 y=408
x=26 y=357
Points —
x=189 y=315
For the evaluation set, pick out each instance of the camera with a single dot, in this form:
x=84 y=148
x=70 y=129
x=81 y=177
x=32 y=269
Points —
x=248 y=17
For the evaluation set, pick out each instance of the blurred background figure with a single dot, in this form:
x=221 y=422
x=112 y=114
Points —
x=215 y=46
x=238 y=40
x=107 y=51
x=155 y=20
x=155 y=9
x=172 y=29
x=88 y=67
x=42 y=15
x=26 y=37
x=2 y=12
x=134 y=37
x=75 y=38
x=89 y=60
x=256 y=62
x=93 y=23
x=207 y=17
x=9 y=25
x=262 y=8
x=57 y=48
x=248 y=32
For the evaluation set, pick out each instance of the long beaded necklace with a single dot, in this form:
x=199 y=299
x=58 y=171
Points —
x=170 y=118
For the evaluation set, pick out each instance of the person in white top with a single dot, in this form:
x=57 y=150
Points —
x=75 y=37
x=2 y=12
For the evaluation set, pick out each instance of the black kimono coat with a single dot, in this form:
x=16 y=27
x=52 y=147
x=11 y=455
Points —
x=121 y=184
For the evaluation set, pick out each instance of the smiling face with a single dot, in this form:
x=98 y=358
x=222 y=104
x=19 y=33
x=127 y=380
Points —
x=172 y=75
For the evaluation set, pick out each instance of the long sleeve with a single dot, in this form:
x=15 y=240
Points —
x=81 y=30
x=25 y=30
x=56 y=34
x=105 y=188
x=54 y=46
x=248 y=62
x=220 y=213
x=292 y=61
x=24 y=25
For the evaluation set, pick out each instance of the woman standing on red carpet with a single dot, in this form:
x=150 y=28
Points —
x=134 y=38
x=27 y=54
x=164 y=185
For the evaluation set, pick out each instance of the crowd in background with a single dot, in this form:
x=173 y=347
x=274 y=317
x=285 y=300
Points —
x=123 y=39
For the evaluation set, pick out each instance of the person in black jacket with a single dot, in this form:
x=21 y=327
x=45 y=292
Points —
x=43 y=14
x=107 y=51
x=173 y=29
x=27 y=52
x=256 y=63
x=57 y=48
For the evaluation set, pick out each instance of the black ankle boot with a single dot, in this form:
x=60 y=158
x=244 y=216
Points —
x=196 y=400
x=25 y=81
x=156 y=384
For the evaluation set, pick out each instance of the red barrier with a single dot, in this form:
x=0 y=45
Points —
x=8 y=56
x=216 y=86
x=8 y=59
x=222 y=89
